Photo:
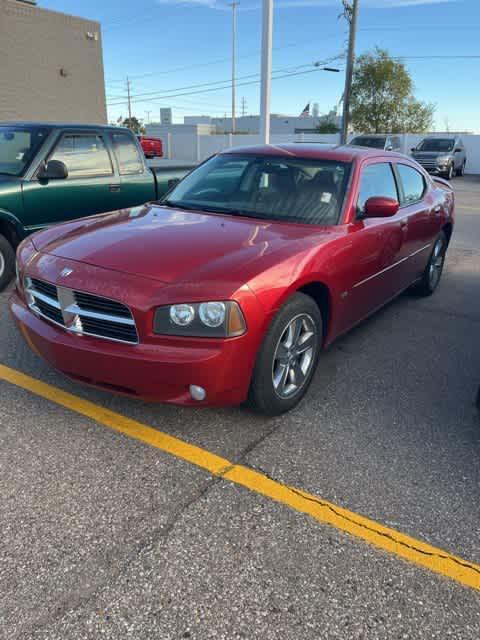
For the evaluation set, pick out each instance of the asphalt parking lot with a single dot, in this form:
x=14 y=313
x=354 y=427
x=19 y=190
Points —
x=104 y=535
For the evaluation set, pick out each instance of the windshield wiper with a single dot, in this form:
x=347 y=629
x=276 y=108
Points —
x=213 y=209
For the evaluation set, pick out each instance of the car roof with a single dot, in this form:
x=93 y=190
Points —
x=60 y=125
x=314 y=151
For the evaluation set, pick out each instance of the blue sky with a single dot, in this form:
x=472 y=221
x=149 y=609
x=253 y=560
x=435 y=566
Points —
x=166 y=46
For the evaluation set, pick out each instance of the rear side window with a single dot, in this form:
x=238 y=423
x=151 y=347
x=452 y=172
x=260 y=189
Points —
x=377 y=180
x=413 y=184
x=128 y=157
x=85 y=155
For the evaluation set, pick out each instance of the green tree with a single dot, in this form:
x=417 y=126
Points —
x=382 y=98
x=135 y=125
x=327 y=126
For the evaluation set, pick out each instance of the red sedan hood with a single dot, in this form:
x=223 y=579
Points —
x=172 y=245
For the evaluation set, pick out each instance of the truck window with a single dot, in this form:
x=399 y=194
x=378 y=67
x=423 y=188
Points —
x=128 y=157
x=84 y=155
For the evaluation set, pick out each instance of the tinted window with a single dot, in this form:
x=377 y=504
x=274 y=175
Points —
x=84 y=155
x=18 y=147
x=436 y=144
x=129 y=160
x=266 y=187
x=377 y=181
x=413 y=183
x=369 y=141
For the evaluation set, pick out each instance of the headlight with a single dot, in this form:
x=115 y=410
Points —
x=443 y=159
x=215 y=319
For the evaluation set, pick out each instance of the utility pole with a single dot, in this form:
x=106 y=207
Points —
x=266 y=86
x=244 y=107
x=234 y=6
x=351 y=14
x=129 y=102
x=147 y=113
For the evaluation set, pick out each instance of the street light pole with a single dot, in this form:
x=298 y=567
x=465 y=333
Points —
x=234 y=6
x=351 y=13
x=266 y=88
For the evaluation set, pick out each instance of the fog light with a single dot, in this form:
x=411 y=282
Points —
x=197 y=393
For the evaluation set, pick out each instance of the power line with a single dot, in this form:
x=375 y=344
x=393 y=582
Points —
x=242 y=84
x=228 y=82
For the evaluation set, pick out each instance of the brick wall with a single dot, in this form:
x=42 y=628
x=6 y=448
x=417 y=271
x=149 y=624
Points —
x=50 y=69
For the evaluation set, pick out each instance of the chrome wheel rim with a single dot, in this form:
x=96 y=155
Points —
x=2 y=264
x=294 y=356
x=436 y=264
x=450 y=172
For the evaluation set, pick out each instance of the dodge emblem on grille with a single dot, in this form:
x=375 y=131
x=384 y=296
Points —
x=66 y=272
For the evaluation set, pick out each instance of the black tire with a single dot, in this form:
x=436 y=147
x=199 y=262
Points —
x=434 y=269
x=461 y=170
x=7 y=263
x=278 y=368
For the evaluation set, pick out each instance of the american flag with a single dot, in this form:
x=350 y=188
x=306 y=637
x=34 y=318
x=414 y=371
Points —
x=306 y=112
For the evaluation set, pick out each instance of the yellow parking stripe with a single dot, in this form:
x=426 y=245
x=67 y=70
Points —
x=390 y=540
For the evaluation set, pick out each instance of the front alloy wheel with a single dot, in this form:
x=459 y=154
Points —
x=449 y=174
x=293 y=357
x=288 y=356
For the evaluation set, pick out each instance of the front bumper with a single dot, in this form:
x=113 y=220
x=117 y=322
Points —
x=154 y=372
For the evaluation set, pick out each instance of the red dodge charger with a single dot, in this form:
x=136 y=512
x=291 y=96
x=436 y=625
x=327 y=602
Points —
x=229 y=288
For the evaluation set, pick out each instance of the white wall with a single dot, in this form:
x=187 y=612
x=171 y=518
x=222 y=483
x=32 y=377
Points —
x=195 y=148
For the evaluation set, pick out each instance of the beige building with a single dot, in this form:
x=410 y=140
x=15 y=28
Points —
x=51 y=65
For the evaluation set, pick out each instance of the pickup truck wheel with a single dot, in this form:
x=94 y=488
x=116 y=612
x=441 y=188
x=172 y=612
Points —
x=288 y=357
x=7 y=262
x=434 y=269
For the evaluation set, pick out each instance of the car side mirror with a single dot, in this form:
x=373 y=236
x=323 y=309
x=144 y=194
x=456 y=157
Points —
x=380 y=207
x=53 y=170
x=389 y=148
x=413 y=149
x=173 y=182
x=457 y=150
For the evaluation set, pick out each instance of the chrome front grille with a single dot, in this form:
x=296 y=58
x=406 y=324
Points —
x=81 y=313
x=427 y=161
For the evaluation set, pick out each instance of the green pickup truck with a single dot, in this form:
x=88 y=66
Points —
x=52 y=173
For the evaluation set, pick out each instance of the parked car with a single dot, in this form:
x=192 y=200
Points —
x=378 y=141
x=441 y=156
x=152 y=147
x=230 y=287
x=52 y=173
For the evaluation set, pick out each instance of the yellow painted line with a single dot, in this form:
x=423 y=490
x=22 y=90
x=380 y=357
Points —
x=374 y=533
x=461 y=206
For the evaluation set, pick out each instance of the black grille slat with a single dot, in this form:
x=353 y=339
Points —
x=89 y=302
x=46 y=288
x=109 y=329
x=48 y=311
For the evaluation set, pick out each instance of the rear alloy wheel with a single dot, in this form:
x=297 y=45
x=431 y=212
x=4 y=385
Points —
x=434 y=269
x=7 y=262
x=288 y=357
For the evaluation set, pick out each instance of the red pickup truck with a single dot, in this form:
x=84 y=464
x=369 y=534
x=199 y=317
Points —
x=152 y=147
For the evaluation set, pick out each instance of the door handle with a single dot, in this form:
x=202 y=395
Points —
x=403 y=223
x=114 y=188
x=437 y=209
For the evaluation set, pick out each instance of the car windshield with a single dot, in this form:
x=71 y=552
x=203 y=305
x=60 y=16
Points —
x=368 y=141
x=265 y=187
x=436 y=144
x=18 y=146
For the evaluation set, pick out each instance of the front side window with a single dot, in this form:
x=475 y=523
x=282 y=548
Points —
x=413 y=184
x=84 y=155
x=127 y=153
x=18 y=147
x=266 y=187
x=376 y=181
x=439 y=145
